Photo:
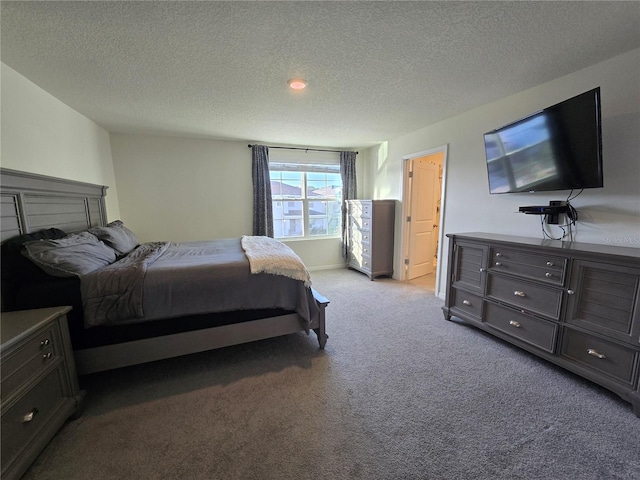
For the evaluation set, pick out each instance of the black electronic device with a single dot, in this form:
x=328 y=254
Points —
x=544 y=209
x=552 y=211
x=558 y=148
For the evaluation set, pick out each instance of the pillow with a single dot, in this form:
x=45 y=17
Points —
x=73 y=255
x=116 y=236
x=15 y=244
x=15 y=267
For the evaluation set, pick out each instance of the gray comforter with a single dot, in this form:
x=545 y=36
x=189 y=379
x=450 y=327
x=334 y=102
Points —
x=166 y=280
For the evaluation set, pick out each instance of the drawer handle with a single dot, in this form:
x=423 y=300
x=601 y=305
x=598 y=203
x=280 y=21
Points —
x=466 y=302
x=548 y=274
x=45 y=343
x=498 y=254
x=47 y=355
x=595 y=353
x=518 y=293
x=29 y=416
x=571 y=292
x=514 y=323
x=498 y=264
x=549 y=264
x=481 y=270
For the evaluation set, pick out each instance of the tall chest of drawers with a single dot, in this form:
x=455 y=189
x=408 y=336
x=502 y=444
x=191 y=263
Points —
x=39 y=384
x=371 y=227
x=576 y=305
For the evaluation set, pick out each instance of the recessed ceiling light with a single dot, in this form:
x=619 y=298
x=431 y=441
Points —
x=297 y=84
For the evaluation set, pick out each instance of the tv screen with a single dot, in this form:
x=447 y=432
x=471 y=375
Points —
x=558 y=148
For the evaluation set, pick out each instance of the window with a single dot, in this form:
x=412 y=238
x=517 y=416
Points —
x=306 y=200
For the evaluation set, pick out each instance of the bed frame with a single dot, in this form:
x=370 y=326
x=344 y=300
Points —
x=32 y=202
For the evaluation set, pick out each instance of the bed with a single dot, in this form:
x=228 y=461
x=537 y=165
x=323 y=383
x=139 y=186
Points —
x=142 y=303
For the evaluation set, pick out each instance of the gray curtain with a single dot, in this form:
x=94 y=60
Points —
x=349 y=192
x=262 y=206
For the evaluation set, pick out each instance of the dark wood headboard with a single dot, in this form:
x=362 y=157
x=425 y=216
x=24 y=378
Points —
x=32 y=202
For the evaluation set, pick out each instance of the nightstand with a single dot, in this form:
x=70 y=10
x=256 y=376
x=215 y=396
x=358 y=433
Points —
x=39 y=384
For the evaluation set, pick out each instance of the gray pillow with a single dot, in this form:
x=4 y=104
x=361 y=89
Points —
x=72 y=256
x=116 y=236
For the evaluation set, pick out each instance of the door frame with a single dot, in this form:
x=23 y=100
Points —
x=405 y=203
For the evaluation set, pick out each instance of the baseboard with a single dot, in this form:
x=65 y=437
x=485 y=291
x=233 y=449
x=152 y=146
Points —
x=327 y=267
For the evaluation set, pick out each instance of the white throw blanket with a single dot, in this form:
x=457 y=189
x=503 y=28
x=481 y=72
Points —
x=267 y=255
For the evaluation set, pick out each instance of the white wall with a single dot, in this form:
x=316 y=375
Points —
x=610 y=215
x=181 y=189
x=40 y=134
x=186 y=189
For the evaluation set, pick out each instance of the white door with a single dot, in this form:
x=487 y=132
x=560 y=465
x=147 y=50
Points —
x=425 y=194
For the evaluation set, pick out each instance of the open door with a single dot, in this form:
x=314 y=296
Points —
x=423 y=215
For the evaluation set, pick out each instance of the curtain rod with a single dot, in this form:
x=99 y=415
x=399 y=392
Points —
x=306 y=149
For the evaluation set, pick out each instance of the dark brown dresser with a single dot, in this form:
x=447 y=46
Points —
x=574 y=304
x=371 y=227
x=39 y=384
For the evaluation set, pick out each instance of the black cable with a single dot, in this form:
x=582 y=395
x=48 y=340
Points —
x=544 y=232
x=572 y=215
x=569 y=198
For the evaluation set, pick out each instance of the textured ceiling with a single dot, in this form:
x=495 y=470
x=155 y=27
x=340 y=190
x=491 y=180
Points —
x=376 y=70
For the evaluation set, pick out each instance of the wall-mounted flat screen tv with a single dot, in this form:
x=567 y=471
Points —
x=558 y=148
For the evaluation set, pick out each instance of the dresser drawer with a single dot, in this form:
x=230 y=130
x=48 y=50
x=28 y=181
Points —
x=26 y=417
x=594 y=353
x=360 y=236
x=30 y=359
x=361 y=262
x=360 y=224
x=528 y=296
x=532 y=330
x=547 y=268
x=360 y=249
x=467 y=303
x=360 y=209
